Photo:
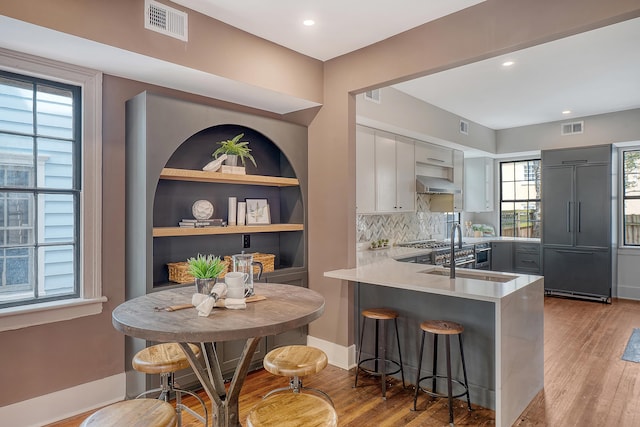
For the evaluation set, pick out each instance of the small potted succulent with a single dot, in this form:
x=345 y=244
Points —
x=205 y=269
x=234 y=149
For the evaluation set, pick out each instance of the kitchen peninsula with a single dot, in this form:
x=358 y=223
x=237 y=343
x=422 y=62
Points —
x=502 y=314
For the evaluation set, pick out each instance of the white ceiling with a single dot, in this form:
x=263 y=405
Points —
x=342 y=26
x=591 y=73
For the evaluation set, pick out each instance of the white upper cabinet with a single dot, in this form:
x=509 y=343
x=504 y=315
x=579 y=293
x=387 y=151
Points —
x=434 y=155
x=458 y=179
x=365 y=170
x=385 y=172
x=405 y=175
x=478 y=185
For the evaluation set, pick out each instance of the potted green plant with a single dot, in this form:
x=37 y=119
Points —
x=235 y=148
x=205 y=269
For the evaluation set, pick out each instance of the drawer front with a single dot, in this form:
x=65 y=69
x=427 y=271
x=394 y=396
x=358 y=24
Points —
x=527 y=262
x=528 y=247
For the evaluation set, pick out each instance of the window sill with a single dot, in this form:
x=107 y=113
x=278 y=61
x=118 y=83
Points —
x=55 y=311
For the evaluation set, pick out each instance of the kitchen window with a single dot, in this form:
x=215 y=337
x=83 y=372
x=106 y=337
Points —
x=520 y=198
x=50 y=191
x=631 y=197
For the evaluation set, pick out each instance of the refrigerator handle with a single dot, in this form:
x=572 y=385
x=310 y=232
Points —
x=568 y=217
x=579 y=221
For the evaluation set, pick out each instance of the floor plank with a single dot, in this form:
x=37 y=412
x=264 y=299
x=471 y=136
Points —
x=586 y=381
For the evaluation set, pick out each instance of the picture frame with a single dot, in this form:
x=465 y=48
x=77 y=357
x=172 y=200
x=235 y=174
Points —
x=258 y=212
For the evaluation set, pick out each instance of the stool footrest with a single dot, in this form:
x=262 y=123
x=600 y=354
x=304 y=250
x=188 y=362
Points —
x=445 y=395
x=379 y=373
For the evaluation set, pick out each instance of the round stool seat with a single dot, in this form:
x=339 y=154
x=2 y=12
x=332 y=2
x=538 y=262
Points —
x=441 y=327
x=162 y=358
x=137 y=412
x=293 y=410
x=380 y=313
x=295 y=360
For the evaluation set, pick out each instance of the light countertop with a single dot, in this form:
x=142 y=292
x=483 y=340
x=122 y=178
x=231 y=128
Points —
x=386 y=271
x=367 y=256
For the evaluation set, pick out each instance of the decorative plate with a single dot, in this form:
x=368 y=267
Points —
x=202 y=209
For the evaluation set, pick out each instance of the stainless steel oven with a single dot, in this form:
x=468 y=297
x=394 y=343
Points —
x=483 y=256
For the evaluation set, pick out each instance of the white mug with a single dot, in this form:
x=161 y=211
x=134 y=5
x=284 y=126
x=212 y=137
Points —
x=235 y=284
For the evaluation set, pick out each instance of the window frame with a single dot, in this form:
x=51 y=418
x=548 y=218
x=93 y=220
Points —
x=90 y=300
x=623 y=197
x=500 y=184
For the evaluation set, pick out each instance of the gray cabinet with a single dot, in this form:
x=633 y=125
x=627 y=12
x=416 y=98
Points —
x=576 y=215
x=502 y=256
x=516 y=257
x=526 y=258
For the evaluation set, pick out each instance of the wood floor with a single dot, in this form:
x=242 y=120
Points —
x=586 y=382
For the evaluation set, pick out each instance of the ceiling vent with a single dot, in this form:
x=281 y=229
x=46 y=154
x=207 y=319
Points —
x=166 y=20
x=572 y=128
x=373 y=95
x=464 y=127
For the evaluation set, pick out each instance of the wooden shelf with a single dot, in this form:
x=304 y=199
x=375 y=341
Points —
x=226 y=178
x=244 y=229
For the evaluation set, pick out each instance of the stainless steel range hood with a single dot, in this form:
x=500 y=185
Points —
x=434 y=185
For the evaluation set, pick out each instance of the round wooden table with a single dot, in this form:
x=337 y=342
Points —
x=285 y=307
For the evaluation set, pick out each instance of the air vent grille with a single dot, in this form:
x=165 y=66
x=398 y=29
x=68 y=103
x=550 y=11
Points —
x=572 y=128
x=373 y=95
x=165 y=20
x=464 y=127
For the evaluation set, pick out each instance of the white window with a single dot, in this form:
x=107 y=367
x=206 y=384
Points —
x=520 y=198
x=50 y=191
x=631 y=197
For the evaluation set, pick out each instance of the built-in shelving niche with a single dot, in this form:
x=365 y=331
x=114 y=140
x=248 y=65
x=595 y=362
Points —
x=174 y=198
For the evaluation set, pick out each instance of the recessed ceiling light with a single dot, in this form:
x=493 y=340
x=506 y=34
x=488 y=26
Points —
x=308 y=22
x=565 y=112
x=507 y=63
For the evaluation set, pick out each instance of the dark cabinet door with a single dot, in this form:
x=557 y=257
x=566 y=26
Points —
x=584 y=272
x=502 y=256
x=593 y=206
x=557 y=206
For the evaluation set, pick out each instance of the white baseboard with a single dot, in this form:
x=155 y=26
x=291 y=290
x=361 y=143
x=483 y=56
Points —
x=66 y=403
x=340 y=356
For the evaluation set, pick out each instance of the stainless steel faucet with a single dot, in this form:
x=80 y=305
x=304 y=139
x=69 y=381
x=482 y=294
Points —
x=452 y=257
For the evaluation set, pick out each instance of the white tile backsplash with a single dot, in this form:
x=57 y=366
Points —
x=401 y=227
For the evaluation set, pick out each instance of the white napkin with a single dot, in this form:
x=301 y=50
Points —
x=205 y=303
x=234 y=303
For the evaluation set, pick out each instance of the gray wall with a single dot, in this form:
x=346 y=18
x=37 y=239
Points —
x=609 y=128
x=405 y=115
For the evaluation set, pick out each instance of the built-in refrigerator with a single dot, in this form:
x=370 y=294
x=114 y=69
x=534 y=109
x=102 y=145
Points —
x=576 y=222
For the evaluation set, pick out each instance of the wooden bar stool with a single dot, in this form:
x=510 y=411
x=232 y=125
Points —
x=293 y=410
x=381 y=316
x=296 y=361
x=137 y=412
x=442 y=327
x=166 y=359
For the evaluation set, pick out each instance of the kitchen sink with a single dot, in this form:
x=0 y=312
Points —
x=502 y=278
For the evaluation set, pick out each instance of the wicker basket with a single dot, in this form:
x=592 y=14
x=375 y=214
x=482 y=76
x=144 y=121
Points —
x=267 y=261
x=179 y=271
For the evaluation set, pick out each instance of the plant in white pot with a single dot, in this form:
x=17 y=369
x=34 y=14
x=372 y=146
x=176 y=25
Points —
x=234 y=149
x=205 y=269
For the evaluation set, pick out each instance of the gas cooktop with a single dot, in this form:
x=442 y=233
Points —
x=426 y=244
